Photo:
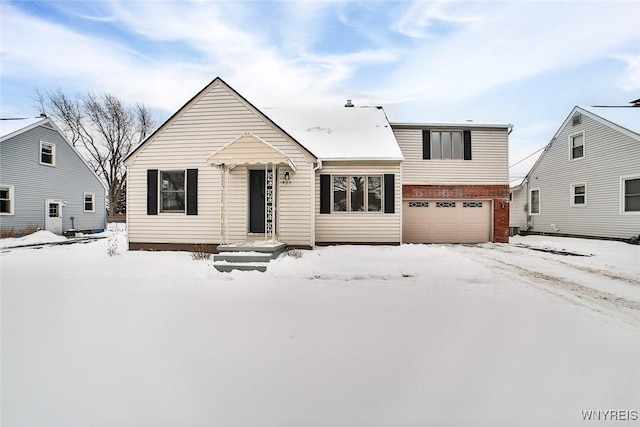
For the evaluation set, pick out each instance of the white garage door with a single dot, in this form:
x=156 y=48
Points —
x=446 y=221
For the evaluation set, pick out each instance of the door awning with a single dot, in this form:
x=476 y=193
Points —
x=248 y=149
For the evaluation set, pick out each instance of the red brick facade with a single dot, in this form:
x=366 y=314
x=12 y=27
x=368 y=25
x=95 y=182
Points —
x=499 y=194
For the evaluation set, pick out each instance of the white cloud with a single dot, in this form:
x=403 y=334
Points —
x=422 y=18
x=453 y=51
x=507 y=42
x=630 y=80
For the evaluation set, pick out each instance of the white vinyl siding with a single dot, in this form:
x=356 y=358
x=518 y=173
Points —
x=518 y=208
x=208 y=123
x=612 y=154
x=488 y=164
x=359 y=227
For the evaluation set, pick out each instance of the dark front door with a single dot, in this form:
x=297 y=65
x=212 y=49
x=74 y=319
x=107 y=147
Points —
x=256 y=201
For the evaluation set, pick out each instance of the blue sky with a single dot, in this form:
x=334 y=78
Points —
x=521 y=62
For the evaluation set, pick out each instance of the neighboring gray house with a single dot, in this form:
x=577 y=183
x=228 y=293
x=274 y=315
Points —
x=587 y=180
x=44 y=182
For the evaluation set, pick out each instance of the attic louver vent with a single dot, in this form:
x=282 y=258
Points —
x=576 y=119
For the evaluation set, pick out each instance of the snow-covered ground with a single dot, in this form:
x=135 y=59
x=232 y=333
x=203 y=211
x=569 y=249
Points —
x=493 y=334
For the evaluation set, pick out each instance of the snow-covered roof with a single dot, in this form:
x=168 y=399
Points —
x=8 y=127
x=626 y=117
x=340 y=133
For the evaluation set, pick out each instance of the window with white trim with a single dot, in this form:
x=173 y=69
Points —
x=534 y=201
x=47 y=154
x=579 y=194
x=576 y=146
x=631 y=195
x=7 y=201
x=172 y=191
x=89 y=202
x=357 y=193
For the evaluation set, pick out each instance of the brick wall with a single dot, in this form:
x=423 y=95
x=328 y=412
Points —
x=499 y=194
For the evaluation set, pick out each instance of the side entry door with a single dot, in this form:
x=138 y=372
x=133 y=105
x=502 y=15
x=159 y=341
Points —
x=53 y=216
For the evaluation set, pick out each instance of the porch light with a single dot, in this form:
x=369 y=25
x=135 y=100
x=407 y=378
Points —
x=287 y=175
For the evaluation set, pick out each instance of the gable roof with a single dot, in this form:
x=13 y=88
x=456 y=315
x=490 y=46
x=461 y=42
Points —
x=625 y=119
x=340 y=133
x=622 y=117
x=12 y=127
x=182 y=109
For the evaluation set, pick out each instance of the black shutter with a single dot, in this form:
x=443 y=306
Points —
x=325 y=194
x=152 y=191
x=426 y=144
x=389 y=193
x=466 y=136
x=192 y=191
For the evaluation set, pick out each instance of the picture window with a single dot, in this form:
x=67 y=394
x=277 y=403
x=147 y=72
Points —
x=357 y=193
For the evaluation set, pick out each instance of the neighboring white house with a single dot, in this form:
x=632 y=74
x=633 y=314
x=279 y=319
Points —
x=44 y=182
x=221 y=170
x=587 y=180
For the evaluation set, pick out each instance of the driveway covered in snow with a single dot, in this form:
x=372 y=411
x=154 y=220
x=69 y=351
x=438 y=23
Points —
x=491 y=334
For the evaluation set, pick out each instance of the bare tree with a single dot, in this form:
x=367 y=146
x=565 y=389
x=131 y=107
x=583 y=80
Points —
x=103 y=129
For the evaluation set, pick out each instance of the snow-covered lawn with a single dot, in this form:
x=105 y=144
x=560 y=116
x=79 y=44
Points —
x=415 y=335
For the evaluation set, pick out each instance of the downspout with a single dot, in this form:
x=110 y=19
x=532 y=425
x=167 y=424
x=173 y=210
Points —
x=313 y=202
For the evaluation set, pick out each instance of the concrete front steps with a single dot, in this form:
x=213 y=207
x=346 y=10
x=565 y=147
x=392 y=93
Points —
x=250 y=256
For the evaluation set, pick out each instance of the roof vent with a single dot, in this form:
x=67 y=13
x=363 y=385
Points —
x=576 y=119
x=349 y=103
